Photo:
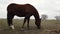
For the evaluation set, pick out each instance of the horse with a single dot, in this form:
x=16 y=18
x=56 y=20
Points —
x=22 y=10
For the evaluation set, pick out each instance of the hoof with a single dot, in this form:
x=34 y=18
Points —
x=38 y=27
x=12 y=27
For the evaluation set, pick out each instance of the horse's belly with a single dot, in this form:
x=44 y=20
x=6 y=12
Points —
x=23 y=14
x=20 y=15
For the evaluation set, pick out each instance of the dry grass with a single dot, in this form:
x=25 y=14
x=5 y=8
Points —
x=47 y=27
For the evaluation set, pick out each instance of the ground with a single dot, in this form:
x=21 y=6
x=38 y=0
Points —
x=47 y=27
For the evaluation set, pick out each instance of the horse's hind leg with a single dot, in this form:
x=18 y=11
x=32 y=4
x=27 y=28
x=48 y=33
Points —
x=9 y=20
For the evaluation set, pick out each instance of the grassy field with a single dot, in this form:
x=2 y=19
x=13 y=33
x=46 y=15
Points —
x=47 y=27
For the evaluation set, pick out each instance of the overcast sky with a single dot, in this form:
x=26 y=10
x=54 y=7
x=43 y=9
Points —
x=48 y=7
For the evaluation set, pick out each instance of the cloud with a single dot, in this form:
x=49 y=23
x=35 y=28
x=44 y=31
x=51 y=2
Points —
x=5 y=1
x=49 y=7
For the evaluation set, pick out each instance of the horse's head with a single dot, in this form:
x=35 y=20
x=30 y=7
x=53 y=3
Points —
x=38 y=23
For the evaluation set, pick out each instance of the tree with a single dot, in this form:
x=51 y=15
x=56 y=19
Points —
x=57 y=17
x=44 y=17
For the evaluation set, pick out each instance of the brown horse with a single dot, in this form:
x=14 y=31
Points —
x=25 y=10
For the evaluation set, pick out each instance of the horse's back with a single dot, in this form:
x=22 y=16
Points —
x=23 y=9
x=14 y=6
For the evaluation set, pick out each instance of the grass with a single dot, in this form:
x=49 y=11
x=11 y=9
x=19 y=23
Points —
x=47 y=27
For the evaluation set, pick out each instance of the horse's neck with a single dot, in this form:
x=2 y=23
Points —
x=36 y=15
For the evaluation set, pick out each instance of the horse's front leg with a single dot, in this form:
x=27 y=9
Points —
x=9 y=20
x=24 y=22
x=28 y=19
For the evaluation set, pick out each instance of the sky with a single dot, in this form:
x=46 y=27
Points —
x=48 y=7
